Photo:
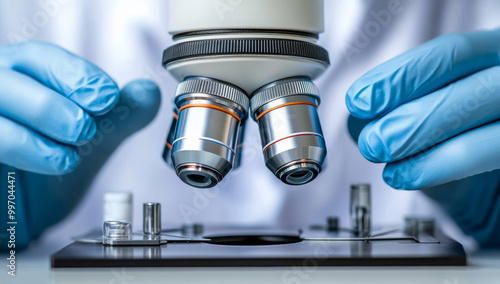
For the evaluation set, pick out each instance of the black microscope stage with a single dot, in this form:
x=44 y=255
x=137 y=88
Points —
x=247 y=247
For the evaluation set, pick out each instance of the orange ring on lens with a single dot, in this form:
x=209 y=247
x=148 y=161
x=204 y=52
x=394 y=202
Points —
x=168 y=145
x=281 y=139
x=284 y=105
x=212 y=107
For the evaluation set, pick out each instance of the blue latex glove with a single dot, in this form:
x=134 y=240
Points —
x=432 y=114
x=61 y=117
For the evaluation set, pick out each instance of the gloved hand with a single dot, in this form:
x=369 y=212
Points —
x=61 y=117
x=432 y=114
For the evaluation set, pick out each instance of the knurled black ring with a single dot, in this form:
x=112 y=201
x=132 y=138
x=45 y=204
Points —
x=256 y=46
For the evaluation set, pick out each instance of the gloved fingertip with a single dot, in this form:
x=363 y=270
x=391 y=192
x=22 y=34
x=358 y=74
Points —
x=357 y=101
x=398 y=176
x=88 y=131
x=143 y=91
x=142 y=94
x=371 y=146
x=98 y=95
x=390 y=178
x=109 y=95
x=64 y=160
x=139 y=102
x=81 y=127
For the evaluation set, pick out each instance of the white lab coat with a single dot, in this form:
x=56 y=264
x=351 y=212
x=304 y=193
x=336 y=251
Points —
x=126 y=38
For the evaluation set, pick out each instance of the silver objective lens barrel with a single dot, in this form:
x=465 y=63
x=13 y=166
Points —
x=360 y=209
x=292 y=140
x=167 y=151
x=207 y=133
x=151 y=222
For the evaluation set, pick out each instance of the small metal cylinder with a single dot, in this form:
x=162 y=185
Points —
x=151 y=218
x=360 y=209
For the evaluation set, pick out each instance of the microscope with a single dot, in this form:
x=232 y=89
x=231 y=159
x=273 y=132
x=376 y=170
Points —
x=236 y=59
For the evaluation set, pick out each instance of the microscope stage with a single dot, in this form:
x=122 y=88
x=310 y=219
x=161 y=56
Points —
x=240 y=247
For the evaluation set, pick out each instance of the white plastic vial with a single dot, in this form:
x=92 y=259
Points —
x=117 y=206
